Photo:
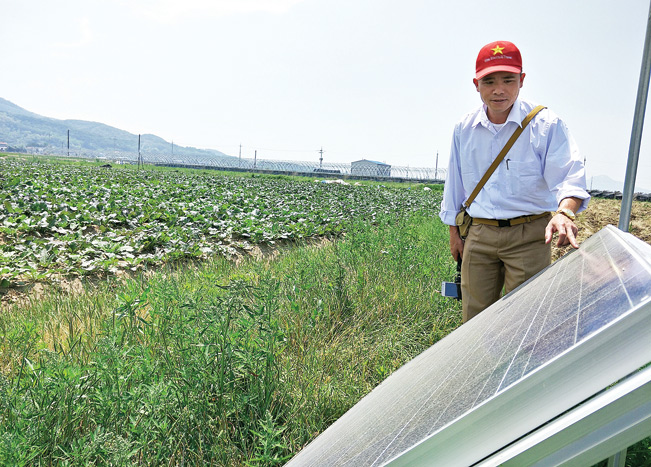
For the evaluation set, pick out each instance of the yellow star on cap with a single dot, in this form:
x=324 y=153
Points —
x=498 y=50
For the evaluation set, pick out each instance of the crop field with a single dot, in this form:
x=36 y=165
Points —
x=62 y=220
x=180 y=348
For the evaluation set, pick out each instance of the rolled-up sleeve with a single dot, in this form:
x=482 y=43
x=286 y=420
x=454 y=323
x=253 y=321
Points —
x=564 y=171
x=453 y=193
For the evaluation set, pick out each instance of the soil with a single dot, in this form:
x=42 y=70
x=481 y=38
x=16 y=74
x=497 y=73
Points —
x=30 y=291
x=601 y=212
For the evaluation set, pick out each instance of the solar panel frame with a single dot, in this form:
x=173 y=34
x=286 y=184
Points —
x=542 y=395
x=592 y=431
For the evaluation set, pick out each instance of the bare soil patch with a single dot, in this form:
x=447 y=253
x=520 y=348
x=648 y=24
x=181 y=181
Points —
x=27 y=291
x=270 y=251
x=601 y=212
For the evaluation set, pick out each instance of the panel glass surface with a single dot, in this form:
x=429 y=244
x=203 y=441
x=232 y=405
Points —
x=569 y=302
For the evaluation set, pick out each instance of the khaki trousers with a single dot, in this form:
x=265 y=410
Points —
x=497 y=258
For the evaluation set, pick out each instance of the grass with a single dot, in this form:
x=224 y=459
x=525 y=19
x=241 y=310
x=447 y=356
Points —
x=220 y=364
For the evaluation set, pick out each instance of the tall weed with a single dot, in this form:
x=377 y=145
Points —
x=220 y=364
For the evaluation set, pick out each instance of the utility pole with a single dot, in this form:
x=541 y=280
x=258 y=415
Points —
x=139 y=157
x=255 y=159
x=436 y=170
x=321 y=158
x=68 y=143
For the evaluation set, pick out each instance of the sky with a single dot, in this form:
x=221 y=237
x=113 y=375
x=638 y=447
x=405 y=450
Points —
x=384 y=80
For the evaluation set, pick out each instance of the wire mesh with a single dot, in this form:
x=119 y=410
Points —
x=358 y=169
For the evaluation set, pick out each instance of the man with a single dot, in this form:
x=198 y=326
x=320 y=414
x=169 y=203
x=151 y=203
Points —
x=534 y=193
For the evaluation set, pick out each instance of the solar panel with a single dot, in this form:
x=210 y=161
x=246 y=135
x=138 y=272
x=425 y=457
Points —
x=575 y=328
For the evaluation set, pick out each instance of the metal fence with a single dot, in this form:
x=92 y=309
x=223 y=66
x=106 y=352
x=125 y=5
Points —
x=368 y=169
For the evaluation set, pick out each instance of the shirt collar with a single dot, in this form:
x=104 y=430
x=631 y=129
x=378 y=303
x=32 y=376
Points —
x=515 y=115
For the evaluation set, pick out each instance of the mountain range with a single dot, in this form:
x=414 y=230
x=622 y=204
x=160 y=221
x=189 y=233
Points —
x=22 y=130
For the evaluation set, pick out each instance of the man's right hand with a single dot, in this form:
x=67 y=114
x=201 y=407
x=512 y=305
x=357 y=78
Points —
x=456 y=243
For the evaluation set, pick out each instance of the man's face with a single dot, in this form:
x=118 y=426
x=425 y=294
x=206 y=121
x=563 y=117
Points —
x=499 y=91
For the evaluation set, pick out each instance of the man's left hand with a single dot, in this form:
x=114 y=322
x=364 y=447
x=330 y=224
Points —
x=566 y=229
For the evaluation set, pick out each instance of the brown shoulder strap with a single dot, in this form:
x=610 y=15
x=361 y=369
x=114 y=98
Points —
x=501 y=155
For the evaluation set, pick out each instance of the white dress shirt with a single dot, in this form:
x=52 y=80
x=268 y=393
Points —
x=543 y=166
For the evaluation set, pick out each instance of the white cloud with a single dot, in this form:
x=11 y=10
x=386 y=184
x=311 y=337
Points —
x=171 y=11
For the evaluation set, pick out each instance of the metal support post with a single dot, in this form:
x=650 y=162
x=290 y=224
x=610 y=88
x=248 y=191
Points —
x=636 y=133
x=618 y=460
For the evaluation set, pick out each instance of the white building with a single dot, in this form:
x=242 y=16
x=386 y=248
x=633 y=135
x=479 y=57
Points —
x=366 y=168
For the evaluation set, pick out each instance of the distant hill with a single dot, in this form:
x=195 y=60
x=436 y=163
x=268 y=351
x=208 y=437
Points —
x=22 y=129
x=604 y=182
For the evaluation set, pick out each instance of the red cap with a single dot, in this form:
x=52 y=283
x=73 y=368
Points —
x=498 y=56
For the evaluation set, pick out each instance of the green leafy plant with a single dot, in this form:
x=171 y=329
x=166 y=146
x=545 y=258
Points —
x=103 y=221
